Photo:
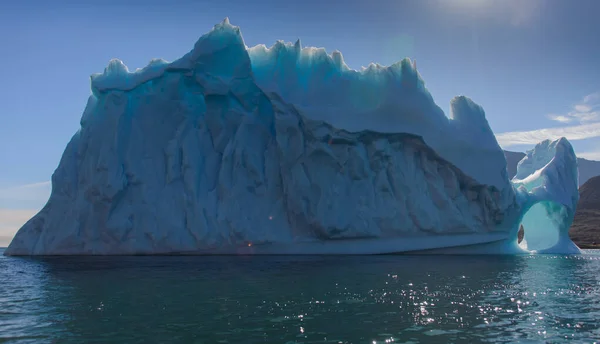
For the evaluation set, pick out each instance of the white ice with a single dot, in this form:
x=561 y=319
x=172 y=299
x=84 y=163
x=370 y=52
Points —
x=547 y=185
x=285 y=149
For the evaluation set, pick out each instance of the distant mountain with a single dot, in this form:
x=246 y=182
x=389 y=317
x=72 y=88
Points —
x=589 y=194
x=585 y=231
x=587 y=168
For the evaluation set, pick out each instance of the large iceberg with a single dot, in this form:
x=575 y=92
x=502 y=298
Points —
x=286 y=150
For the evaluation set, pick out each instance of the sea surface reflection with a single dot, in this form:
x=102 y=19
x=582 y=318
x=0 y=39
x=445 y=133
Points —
x=277 y=299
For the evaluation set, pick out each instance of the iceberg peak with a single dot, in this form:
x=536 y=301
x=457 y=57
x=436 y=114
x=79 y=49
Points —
x=221 y=51
x=469 y=118
x=116 y=66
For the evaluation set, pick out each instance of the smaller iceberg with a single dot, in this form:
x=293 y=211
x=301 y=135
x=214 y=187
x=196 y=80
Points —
x=546 y=187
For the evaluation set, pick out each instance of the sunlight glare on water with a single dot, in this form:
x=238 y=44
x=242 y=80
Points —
x=376 y=299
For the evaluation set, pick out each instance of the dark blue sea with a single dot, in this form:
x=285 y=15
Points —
x=278 y=299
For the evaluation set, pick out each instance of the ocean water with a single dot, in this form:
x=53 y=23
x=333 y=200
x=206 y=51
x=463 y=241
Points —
x=277 y=299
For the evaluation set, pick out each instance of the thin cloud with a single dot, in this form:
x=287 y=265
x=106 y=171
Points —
x=18 y=204
x=582 y=108
x=560 y=118
x=590 y=155
x=585 y=114
x=28 y=196
x=10 y=222
x=592 y=98
x=572 y=133
x=588 y=110
x=36 y=185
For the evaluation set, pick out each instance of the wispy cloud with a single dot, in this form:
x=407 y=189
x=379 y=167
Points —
x=590 y=155
x=592 y=98
x=18 y=204
x=572 y=133
x=586 y=111
x=560 y=118
x=28 y=196
x=584 y=120
x=10 y=222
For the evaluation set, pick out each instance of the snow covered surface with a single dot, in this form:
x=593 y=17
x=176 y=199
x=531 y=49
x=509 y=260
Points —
x=286 y=150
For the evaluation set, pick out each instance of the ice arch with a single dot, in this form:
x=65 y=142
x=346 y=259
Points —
x=546 y=226
x=542 y=227
x=546 y=187
x=546 y=192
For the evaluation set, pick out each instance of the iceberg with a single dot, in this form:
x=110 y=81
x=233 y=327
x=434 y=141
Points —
x=286 y=150
x=547 y=183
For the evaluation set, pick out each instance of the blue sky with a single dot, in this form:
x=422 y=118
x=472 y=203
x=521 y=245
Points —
x=532 y=64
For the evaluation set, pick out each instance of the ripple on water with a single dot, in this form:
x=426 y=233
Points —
x=381 y=299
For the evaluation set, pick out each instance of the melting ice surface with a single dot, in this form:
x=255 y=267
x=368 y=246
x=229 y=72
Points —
x=231 y=149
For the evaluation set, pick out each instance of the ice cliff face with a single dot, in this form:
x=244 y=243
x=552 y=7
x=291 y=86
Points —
x=283 y=150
